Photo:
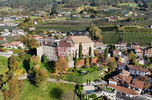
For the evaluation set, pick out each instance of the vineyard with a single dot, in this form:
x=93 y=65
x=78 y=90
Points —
x=137 y=23
x=140 y=38
x=105 y=23
x=110 y=37
x=110 y=28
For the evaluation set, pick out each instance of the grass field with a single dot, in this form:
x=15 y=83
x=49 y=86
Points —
x=3 y=65
x=130 y=4
x=64 y=25
x=110 y=37
x=7 y=27
x=15 y=21
x=30 y=92
x=140 y=38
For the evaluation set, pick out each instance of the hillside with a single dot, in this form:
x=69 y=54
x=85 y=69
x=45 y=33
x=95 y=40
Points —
x=3 y=65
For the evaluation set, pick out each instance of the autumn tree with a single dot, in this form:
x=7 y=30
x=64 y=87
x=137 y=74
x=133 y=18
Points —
x=1 y=96
x=112 y=65
x=145 y=79
x=34 y=60
x=33 y=43
x=61 y=66
x=13 y=88
x=120 y=59
x=80 y=50
x=90 y=50
x=132 y=57
x=13 y=63
x=95 y=33
x=96 y=53
x=41 y=78
x=58 y=36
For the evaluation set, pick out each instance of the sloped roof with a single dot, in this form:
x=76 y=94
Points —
x=15 y=42
x=138 y=68
x=80 y=39
x=6 y=44
x=124 y=89
x=124 y=73
x=137 y=84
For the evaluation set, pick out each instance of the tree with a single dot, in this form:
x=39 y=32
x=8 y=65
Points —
x=112 y=65
x=75 y=59
x=56 y=92
x=90 y=50
x=131 y=56
x=58 y=36
x=96 y=53
x=41 y=78
x=33 y=43
x=34 y=60
x=86 y=61
x=44 y=59
x=5 y=86
x=91 y=60
x=120 y=59
x=80 y=50
x=1 y=96
x=67 y=58
x=61 y=66
x=13 y=63
x=145 y=79
x=95 y=32
x=13 y=88
x=106 y=54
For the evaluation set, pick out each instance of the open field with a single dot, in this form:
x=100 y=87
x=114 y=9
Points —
x=3 y=65
x=15 y=21
x=110 y=37
x=140 y=38
x=64 y=25
x=30 y=92
x=128 y=4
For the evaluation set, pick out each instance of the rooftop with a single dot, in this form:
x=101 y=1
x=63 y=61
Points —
x=138 y=68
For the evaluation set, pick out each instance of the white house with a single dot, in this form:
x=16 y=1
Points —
x=121 y=46
x=5 y=32
x=35 y=22
x=2 y=24
x=135 y=70
x=14 y=44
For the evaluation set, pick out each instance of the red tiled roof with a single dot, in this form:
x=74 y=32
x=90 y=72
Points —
x=15 y=42
x=124 y=89
x=65 y=44
x=121 y=64
x=137 y=84
x=138 y=68
x=6 y=44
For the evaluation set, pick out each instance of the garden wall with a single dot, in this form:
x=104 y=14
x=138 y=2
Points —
x=82 y=61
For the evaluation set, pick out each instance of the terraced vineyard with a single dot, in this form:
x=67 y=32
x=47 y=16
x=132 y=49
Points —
x=110 y=37
x=140 y=38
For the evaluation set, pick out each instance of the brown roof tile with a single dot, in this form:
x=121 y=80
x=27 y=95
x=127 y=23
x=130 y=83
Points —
x=6 y=44
x=122 y=64
x=15 y=42
x=124 y=89
x=138 y=68
x=80 y=39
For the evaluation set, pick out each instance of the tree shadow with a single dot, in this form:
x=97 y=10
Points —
x=56 y=92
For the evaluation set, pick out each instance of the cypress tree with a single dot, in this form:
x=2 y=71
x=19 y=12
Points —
x=75 y=59
x=80 y=50
x=90 y=51
x=106 y=53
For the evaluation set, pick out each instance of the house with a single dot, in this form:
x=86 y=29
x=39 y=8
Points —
x=52 y=31
x=122 y=65
x=55 y=49
x=116 y=52
x=2 y=38
x=139 y=51
x=124 y=73
x=2 y=24
x=59 y=15
x=5 y=32
x=18 y=32
x=14 y=44
x=121 y=46
x=84 y=40
x=136 y=70
x=31 y=28
x=140 y=60
x=40 y=40
x=98 y=44
x=148 y=52
x=125 y=59
x=126 y=85
x=35 y=22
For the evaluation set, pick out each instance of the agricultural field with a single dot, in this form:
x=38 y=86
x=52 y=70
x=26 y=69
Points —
x=15 y=21
x=3 y=65
x=137 y=23
x=110 y=37
x=65 y=25
x=105 y=23
x=7 y=27
x=108 y=28
x=143 y=39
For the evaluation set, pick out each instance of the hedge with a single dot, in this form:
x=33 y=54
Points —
x=82 y=79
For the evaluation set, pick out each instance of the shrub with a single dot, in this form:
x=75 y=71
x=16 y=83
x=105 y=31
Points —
x=93 y=96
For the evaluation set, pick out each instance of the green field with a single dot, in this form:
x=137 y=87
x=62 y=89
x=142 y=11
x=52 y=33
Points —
x=15 y=21
x=7 y=27
x=128 y=4
x=110 y=37
x=30 y=92
x=3 y=65
x=143 y=39
x=64 y=25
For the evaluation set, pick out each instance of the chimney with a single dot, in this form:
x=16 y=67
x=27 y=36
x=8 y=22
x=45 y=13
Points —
x=114 y=78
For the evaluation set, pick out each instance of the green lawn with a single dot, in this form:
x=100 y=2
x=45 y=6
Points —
x=30 y=92
x=3 y=65
x=15 y=21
